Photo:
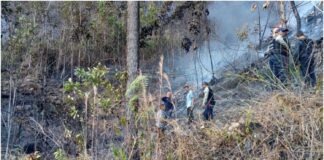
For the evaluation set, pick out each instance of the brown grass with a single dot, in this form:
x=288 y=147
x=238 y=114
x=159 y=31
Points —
x=281 y=126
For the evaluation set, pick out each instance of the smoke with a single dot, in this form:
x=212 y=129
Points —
x=226 y=18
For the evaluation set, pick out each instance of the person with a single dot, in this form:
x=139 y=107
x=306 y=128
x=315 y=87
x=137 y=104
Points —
x=189 y=102
x=167 y=100
x=160 y=120
x=279 y=50
x=208 y=102
x=303 y=54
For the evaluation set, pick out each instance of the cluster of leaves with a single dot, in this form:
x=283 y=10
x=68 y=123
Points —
x=94 y=84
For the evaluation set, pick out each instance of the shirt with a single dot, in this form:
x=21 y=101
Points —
x=168 y=103
x=206 y=91
x=189 y=98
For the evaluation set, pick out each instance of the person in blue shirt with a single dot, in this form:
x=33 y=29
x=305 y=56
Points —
x=189 y=102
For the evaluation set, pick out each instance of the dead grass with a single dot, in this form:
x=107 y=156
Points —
x=281 y=126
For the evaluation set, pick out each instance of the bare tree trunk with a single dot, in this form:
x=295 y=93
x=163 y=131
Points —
x=282 y=14
x=132 y=68
x=132 y=40
x=294 y=8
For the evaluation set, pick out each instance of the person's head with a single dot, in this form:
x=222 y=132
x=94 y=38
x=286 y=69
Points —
x=300 y=35
x=186 y=87
x=204 y=84
x=169 y=94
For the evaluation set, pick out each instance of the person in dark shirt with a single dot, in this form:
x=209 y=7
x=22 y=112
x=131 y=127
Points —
x=169 y=106
x=303 y=54
x=279 y=50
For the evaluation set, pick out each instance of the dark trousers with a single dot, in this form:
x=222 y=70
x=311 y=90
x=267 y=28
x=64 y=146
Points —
x=190 y=114
x=208 y=113
x=168 y=114
x=279 y=66
x=307 y=71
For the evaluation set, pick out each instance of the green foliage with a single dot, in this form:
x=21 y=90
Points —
x=137 y=86
x=148 y=14
x=60 y=155
x=92 y=78
x=119 y=154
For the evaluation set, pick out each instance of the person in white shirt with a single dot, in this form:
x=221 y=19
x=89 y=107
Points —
x=189 y=102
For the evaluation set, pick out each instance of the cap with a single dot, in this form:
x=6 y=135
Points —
x=283 y=30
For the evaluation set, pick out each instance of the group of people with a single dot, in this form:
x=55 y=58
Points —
x=167 y=106
x=283 y=57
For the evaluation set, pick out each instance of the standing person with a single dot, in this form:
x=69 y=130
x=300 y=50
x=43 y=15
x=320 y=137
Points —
x=304 y=56
x=208 y=102
x=169 y=107
x=279 y=50
x=189 y=102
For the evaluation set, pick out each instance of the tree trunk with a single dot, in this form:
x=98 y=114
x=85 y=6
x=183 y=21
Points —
x=282 y=14
x=132 y=68
x=294 y=8
x=132 y=40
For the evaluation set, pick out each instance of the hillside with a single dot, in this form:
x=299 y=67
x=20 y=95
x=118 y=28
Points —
x=84 y=80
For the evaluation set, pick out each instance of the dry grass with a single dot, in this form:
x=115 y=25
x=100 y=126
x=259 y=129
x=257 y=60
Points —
x=281 y=126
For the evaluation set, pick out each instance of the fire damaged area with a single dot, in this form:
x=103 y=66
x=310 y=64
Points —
x=161 y=80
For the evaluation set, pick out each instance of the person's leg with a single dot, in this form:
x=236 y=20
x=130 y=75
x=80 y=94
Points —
x=277 y=67
x=312 y=74
x=191 y=114
x=205 y=114
x=212 y=112
x=282 y=67
x=304 y=71
x=188 y=111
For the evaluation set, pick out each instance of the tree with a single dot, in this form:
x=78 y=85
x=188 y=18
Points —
x=282 y=14
x=294 y=8
x=132 y=40
x=132 y=68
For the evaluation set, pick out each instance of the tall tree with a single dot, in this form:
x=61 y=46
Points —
x=132 y=39
x=132 y=68
x=294 y=8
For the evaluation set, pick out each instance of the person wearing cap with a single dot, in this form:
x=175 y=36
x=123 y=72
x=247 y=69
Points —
x=279 y=52
x=303 y=55
x=189 y=102
x=208 y=102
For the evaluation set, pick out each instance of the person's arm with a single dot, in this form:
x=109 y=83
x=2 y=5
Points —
x=205 y=96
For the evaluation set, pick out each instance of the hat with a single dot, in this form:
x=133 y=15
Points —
x=186 y=85
x=283 y=30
